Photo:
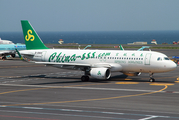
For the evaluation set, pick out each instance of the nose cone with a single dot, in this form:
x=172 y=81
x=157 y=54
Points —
x=171 y=66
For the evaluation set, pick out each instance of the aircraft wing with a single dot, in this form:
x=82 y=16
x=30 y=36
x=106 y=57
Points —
x=28 y=54
x=67 y=64
x=106 y=65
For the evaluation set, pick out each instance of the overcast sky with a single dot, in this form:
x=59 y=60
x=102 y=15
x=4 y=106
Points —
x=90 y=15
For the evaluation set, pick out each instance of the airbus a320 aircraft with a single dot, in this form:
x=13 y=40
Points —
x=95 y=63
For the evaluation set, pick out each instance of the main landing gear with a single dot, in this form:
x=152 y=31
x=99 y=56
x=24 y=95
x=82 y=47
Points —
x=151 y=77
x=85 y=78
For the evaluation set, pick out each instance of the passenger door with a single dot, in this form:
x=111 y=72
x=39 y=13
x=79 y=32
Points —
x=43 y=56
x=147 y=58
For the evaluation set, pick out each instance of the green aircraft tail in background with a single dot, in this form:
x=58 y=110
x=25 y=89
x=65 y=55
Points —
x=32 y=40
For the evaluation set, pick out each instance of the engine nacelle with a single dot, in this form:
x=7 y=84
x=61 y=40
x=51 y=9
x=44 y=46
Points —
x=100 y=73
x=132 y=73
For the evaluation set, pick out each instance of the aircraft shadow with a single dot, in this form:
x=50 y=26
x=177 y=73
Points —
x=77 y=80
x=117 y=78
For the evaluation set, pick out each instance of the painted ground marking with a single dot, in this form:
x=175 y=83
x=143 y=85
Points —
x=86 y=100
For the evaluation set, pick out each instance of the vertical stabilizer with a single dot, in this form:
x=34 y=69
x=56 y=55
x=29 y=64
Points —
x=32 y=40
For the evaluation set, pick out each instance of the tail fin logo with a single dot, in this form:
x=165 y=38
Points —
x=29 y=36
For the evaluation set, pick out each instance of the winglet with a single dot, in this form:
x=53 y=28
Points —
x=143 y=47
x=121 y=47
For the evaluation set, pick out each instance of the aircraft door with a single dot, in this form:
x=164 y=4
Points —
x=147 y=58
x=43 y=56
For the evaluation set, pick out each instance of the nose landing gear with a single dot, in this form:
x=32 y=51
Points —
x=151 y=79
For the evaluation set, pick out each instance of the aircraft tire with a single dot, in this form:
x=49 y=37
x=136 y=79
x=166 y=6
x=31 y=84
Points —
x=84 y=78
x=151 y=80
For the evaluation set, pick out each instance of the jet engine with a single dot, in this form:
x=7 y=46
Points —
x=132 y=73
x=100 y=73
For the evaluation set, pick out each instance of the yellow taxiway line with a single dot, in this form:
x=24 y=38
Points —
x=85 y=100
x=51 y=88
x=177 y=80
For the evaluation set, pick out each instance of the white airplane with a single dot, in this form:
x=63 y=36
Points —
x=9 y=49
x=5 y=41
x=95 y=63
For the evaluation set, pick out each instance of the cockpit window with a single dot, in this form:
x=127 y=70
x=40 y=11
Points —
x=159 y=59
x=166 y=58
